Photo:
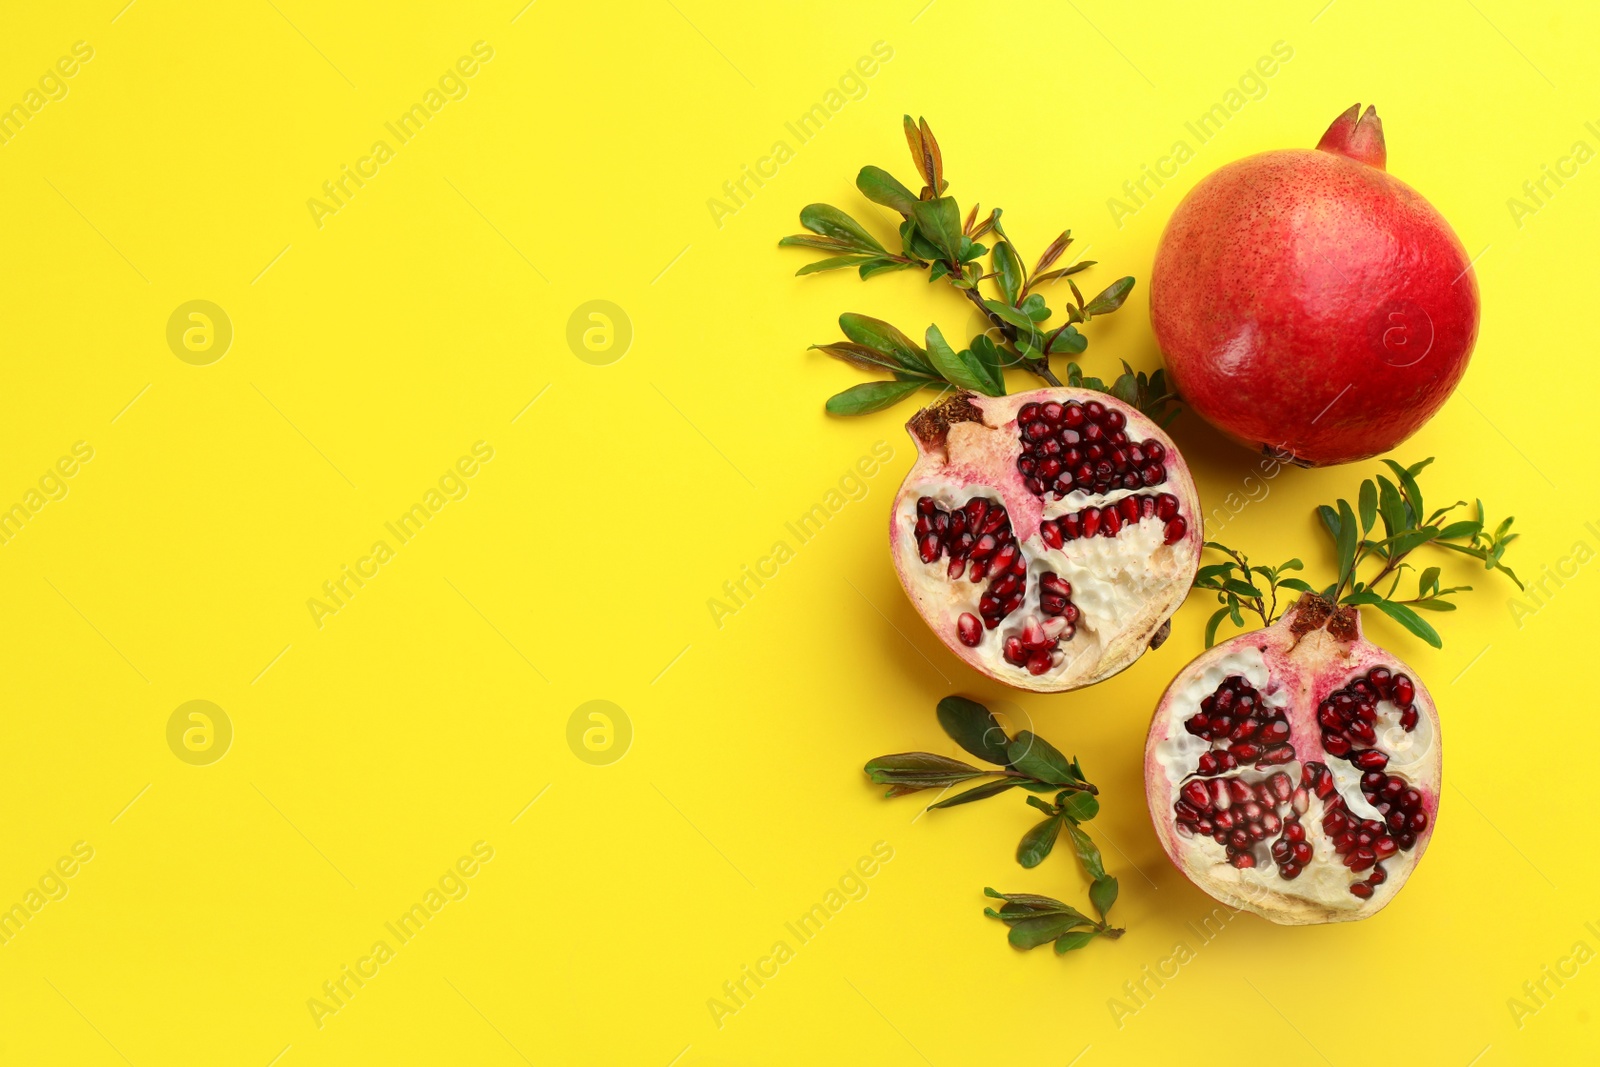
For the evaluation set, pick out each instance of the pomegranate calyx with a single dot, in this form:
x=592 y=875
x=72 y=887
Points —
x=932 y=424
x=1313 y=612
x=1358 y=136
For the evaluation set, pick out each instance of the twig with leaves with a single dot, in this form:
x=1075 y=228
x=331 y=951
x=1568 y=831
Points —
x=934 y=237
x=1398 y=506
x=1031 y=763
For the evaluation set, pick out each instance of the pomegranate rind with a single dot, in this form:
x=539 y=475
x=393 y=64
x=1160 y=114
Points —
x=1298 y=671
x=1126 y=587
x=1309 y=303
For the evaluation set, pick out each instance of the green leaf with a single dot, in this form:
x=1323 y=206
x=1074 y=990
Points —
x=1110 y=299
x=1010 y=314
x=1028 y=903
x=1416 y=538
x=1035 y=308
x=973 y=727
x=1409 y=483
x=1330 y=519
x=1463 y=528
x=870 y=396
x=829 y=221
x=1433 y=604
x=961 y=369
x=1080 y=807
x=878 y=265
x=1347 y=540
x=981 y=792
x=882 y=337
x=1368 y=505
x=1075 y=939
x=920 y=769
x=1392 y=507
x=1429 y=582
x=1296 y=584
x=1410 y=620
x=939 y=221
x=827 y=244
x=1088 y=853
x=1037 y=842
x=1238 y=588
x=865 y=358
x=881 y=187
x=988 y=355
x=1068 y=340
x=1040 y=930
x=1212 y=624
x=1037 y=758
x=832 y=263
x=1103 y=894
x=1007 y=270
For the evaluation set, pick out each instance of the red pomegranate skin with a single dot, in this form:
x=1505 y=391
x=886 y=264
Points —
x=1307 y=302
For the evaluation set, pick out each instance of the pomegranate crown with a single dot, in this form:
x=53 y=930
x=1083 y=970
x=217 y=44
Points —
x=1358 y=136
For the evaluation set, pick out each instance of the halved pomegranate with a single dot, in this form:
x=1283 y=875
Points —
x=1294 y=772
x=1046 y=537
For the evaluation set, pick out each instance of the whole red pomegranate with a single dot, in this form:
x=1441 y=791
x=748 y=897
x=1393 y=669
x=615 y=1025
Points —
x=1046 y=537
x=1294 y=772
x=1308 y=303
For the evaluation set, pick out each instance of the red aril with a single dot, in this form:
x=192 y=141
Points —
x=1046 y=537
x=1294 y=772
x=1309 y=304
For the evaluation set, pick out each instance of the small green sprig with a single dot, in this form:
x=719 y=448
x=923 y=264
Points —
x=934 y=237
x=1398 y=506
x=1031 y=763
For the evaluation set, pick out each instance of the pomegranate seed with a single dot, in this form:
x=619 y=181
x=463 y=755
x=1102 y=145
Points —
x=928 y=548
x=1362 y=890
x=968 y=629
x=1050 y=534
x=1380 y=679
x=1289 y=871
x=1175 y=530
x=926 y=506
x=1207 y=763
x=1378 y=875
x=1220 y=795
x=1404 y=690
x=1245 y=751
x=1242 y=860
x=1051 y=413
x=957 y=565
x=1336 y=745
x=1240 y=792
x=1154 y=452
x=1372 y=760
x=1196 y=793
x=1408 y=718
x=1091 y=521
x=976 y=508
x=1385 y=846
x=1293 y=831
x=1039 y=662
x=1110 y=522
x=1014 y=653
x=1028 y=413
x=1301 y=851
x=1129 y=507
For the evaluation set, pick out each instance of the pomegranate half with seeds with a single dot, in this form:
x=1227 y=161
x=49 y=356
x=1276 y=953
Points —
x=1294 y=772
x=1046 y=537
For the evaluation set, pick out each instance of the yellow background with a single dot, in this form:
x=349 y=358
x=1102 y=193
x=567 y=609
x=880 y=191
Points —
x=425 y=315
